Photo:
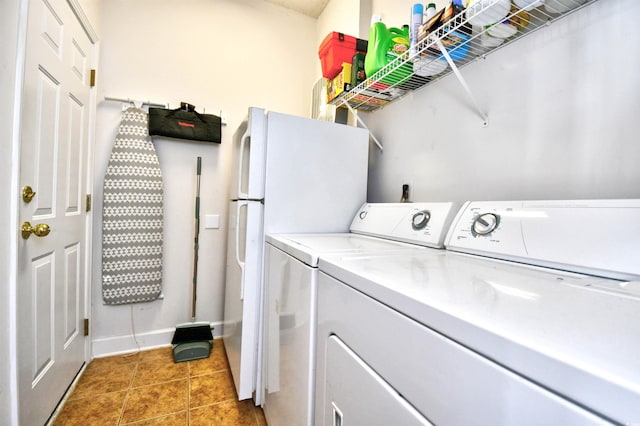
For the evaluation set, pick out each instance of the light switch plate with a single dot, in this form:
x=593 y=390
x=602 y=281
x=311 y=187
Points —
x=211 y=221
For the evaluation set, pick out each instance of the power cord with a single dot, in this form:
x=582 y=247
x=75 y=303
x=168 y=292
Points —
x=133 y=329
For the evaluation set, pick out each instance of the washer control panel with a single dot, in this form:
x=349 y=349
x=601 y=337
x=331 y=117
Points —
x=417 y=223
x=598 y=237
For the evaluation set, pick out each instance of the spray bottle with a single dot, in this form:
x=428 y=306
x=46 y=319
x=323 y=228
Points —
x=415 y=22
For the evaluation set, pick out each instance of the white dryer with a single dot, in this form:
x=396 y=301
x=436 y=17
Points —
x=531 y=316
x=291 y=280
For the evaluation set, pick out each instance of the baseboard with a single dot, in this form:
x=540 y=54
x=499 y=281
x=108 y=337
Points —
x=118 y=345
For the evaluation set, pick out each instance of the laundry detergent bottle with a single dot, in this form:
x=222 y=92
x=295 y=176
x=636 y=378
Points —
x=386 y=45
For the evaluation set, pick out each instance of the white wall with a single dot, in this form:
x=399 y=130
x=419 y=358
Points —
x=9 y=18
x=563 y=109
x=339 y=16
x=217 y=54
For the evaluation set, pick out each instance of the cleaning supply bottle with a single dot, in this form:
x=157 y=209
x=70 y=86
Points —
x=385 y=46
x=416 y=20
x=375 y=57
x=429 y=12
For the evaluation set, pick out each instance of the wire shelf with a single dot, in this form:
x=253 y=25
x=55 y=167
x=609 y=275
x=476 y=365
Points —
x=464 y=44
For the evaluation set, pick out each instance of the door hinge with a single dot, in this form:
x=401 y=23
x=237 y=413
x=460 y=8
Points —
x=92 y=79
x=87 y=205
x=86 y=326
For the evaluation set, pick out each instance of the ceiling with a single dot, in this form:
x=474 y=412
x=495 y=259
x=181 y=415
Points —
x=311 y=8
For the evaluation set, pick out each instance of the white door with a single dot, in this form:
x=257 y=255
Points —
x=357 y=395
x=289 y=341
x=248 y=157
x=53 y=162
x=242 y=299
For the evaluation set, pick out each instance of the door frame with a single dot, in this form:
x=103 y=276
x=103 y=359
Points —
x=11 y=116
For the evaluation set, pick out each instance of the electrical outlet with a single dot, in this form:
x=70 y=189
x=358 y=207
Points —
x=406 y=193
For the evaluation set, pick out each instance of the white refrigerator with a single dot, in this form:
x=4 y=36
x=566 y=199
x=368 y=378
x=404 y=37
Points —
x=289 y=175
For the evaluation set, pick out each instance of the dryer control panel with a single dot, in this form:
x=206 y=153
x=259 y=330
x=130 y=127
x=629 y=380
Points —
x=417 y=223
x=598 y=237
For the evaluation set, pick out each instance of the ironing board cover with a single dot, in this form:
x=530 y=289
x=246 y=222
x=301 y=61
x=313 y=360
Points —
x=132 y=216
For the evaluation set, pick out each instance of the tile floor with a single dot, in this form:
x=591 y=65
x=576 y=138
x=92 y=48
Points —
x=148 y=388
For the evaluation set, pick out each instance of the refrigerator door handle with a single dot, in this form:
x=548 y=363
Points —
x=240 y=203
x=246 y=136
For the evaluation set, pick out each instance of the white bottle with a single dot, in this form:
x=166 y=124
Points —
x=429 y=12
x=416 y=21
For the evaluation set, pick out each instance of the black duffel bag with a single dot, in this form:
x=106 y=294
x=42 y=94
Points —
x=184 y=123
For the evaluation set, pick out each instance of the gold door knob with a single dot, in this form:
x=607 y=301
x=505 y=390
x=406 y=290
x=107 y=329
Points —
x=40 y=230
x=27 y=194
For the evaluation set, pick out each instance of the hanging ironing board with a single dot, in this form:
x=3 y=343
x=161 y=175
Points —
x=132 y=216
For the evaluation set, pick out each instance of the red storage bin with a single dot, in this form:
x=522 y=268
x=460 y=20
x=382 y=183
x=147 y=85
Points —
x=337 y=48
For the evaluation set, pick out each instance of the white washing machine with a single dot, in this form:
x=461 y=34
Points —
x=530 y=317
x=291 y=280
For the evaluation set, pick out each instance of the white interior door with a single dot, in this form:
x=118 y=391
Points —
x=51 y=268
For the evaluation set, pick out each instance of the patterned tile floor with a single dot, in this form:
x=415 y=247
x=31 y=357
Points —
x=148 y=388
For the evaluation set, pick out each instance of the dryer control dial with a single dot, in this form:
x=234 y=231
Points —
x=485 y=224
x=420 y=219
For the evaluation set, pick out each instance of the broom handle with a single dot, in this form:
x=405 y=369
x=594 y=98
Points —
x=195 y=256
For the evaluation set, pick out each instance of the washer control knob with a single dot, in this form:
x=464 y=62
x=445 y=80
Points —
x=362 y=214
x=420 y=219
x=485 y=224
